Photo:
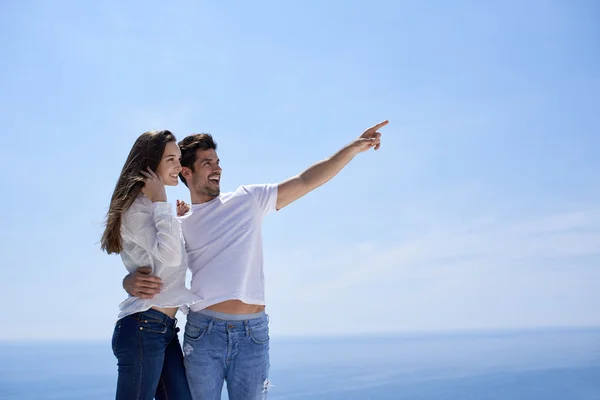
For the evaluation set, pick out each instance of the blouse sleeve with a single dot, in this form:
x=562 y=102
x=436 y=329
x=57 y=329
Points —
x=155 y=230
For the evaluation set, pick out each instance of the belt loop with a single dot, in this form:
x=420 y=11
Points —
x=210 y=324
x=247 y=326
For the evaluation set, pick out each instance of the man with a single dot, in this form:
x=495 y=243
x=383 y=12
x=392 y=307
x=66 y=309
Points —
x=227 y=336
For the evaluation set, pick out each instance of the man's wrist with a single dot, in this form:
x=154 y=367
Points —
x=354 y=147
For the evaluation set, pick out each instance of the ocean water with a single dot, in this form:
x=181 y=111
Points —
x=540 y=365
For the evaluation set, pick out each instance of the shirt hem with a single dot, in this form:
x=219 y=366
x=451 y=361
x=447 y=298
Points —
x=182 y=306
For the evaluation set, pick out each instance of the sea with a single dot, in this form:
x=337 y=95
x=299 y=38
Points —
x=549 y=364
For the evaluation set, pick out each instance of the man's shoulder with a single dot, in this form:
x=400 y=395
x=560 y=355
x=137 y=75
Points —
x=244 y=190
x=255 y=187
x=239 y=194
x=243 y=194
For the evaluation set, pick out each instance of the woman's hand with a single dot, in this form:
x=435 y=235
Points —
x=154 y=188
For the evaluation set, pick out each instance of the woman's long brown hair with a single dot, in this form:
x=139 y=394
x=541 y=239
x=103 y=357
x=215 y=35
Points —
x=147 y=151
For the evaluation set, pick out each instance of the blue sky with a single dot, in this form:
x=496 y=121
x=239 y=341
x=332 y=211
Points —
x=480 y=211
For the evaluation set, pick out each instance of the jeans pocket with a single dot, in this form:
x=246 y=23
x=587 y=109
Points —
x=260 y=334
x=193 y=332
x=115 y=337
x=154 y=326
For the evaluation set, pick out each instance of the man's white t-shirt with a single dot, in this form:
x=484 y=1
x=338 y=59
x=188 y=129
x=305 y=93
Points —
x=223 y=241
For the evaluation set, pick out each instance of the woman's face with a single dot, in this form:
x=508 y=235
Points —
x=170 y=165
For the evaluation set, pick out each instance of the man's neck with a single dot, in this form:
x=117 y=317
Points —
x=200 y=198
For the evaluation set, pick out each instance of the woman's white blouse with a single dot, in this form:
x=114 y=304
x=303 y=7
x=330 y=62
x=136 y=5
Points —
x=152 y=237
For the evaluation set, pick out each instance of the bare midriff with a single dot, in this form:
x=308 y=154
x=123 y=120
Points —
x=236 y=307
x=170 y=311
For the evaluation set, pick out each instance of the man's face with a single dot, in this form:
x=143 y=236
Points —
x=206 y=177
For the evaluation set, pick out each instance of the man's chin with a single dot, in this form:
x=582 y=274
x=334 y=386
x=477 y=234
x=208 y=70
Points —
x=213 y=191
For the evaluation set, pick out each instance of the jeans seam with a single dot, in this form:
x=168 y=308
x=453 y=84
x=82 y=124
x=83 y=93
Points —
x=161 y=380
x=116 y=337
x=141 y=363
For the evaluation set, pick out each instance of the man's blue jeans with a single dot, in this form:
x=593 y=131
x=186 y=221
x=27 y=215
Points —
x=149 y=358
x=227 y=347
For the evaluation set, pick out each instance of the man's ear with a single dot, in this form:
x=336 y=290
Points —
x=186 y=173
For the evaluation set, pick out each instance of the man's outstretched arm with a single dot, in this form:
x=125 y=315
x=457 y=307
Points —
x=321 y=172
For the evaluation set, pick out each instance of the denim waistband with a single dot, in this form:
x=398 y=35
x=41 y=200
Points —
x=231 y=317
x=211 y=323
x=155 y=316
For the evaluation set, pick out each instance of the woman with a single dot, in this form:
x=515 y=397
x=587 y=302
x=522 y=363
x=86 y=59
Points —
x=141 y=227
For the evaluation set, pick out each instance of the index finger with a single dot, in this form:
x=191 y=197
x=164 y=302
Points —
x=152 y=173
x=149 y=278
x=380 y=125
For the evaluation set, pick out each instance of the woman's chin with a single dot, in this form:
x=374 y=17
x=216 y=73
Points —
x=171 y=182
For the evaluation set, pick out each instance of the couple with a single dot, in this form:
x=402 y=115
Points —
x=219 y=239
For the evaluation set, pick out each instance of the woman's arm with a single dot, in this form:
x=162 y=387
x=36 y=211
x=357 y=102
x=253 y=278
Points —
x=154 y=229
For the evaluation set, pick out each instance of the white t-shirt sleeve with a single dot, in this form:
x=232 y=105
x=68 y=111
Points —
x=265 y=197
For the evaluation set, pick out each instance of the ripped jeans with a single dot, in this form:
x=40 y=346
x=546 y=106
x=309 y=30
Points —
x=228 y=348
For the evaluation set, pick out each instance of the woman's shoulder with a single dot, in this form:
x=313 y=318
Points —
x=141 y=208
